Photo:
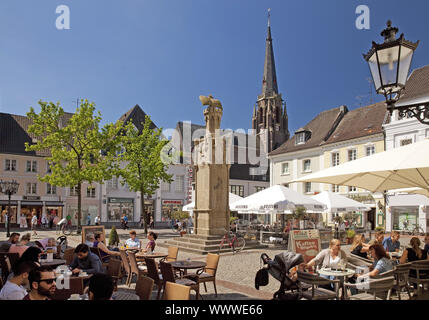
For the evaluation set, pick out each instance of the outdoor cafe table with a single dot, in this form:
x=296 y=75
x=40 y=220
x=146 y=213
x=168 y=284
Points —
x=341 y=274
x=187 y=264
x=154 y=255
x=54 y=263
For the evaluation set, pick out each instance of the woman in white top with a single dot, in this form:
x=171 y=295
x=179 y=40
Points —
x=329 y=258
x=34 y=224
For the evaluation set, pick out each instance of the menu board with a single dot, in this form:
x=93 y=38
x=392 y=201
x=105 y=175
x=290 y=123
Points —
x=305 y=242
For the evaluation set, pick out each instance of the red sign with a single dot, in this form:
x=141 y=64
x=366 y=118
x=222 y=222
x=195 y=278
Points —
x=306 y=242
x=180 y=202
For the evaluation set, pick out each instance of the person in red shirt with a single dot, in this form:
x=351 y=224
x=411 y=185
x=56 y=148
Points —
x=42 y=284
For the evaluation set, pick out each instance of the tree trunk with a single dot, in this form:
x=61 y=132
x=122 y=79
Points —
x=143 y=213
x=79 y=206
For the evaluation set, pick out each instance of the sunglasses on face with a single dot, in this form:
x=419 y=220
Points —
x=48 y=281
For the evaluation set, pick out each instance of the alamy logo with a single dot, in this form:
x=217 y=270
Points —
x=362 y=21
x=63 y=277
x=63 y=20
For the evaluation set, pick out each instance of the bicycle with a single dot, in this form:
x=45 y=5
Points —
x=69 y=229
x=416 y=231
x=233 y=240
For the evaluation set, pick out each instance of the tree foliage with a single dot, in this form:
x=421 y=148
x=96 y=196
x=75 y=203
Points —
x=143 y=168
x=79 y=150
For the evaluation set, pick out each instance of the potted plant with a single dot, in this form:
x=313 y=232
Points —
x=350 y=235
x=113 y=237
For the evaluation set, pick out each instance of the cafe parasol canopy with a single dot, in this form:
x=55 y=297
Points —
x=338 y=203
x=276 y=199
x=402 y=167
x=232 y=198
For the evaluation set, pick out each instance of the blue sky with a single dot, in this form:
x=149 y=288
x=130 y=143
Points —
x=163 y=54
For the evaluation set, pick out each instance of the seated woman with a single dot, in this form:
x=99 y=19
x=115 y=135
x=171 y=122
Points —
x=150 y=247
x=414 y=253
x=329 y=258
x=359 y=248
x=21 y=246
x=104 y=251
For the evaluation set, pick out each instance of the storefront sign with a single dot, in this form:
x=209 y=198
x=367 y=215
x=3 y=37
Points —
x=305 y=242
x=31 y=198
x=121 y=200
x=177 y=202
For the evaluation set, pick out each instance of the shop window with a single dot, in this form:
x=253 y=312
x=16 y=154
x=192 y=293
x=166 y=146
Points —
x=119 y=206
x=9 y=165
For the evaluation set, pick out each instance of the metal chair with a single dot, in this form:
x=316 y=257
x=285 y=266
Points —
x=175 y=291
x=315 y=292
x=144 y=287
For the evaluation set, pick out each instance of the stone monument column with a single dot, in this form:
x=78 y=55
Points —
x=211 y=175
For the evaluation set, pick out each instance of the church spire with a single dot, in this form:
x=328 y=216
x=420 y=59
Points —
x=269 y=81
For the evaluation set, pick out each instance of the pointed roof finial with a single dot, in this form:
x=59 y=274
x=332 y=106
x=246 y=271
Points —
x=269 y=15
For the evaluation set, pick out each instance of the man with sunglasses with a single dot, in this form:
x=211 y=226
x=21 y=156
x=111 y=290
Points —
x=42 y=284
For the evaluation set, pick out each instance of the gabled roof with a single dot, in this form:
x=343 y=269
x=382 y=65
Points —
x=360 y=122
x=138 y=116
x=417 y=85
x=14 y=133
x=321 y=127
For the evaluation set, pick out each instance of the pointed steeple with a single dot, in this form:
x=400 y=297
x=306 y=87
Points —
x=269 y=81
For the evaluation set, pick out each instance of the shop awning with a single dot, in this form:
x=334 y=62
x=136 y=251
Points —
x=6 y=202
x=54 y=204
x=408 y=200
x=31 y=203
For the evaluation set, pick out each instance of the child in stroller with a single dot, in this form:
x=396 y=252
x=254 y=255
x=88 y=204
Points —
x=284 y=269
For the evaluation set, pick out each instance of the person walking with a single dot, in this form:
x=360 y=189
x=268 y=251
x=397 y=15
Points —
x=97 y=220
x=34 y=224
x=88 y=223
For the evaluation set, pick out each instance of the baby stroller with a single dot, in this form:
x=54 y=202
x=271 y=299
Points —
x=279 y=268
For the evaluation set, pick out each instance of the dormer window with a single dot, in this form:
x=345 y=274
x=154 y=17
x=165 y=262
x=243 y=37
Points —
x=302 y=136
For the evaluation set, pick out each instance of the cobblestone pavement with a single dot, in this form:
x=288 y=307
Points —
x=235 y=276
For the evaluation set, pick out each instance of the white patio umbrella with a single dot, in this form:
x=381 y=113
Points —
x=232 y=198
x=402 y=167
x=277 y=199
x=338 y=203
x=424 y=192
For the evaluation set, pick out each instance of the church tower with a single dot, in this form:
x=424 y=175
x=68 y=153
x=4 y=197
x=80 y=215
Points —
x=270 y=111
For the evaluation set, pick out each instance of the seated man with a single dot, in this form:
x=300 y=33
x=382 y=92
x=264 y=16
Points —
x=86 y=261
x=392 y=244
x=379 y=237
x=13 y=239
x=100 y=287
x=14 y=288
x=42 y=283
x=90 y=240
x=133 y=242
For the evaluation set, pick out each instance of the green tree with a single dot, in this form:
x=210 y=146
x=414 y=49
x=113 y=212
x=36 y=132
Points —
x=144 y=167
x=79 y=150
x=113 y=237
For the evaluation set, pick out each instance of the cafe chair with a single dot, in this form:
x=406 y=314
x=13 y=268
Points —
x=104 y=259
x=315 y=292
x=144 y=287
x=174 y=291
x=168 y=275
x=172 y=254
x=354 y=261
x=401 y=274
x=126 y=266
x=138 y=270
x=208 y=273
x=152 y=272
x=374 y=289
x=69 y=255
x=419 y=275
x=5 y=266
x=368 y=261
x=114 y=270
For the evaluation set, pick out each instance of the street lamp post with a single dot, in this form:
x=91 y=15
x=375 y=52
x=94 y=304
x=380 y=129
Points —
x=389 y=63
x=9 y=188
